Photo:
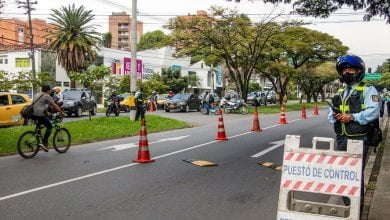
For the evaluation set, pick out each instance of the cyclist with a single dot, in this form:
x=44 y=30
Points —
x=41 y=113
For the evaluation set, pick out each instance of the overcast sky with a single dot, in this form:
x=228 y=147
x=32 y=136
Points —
x=370 y=40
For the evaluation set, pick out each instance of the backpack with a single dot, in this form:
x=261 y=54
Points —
x=374 y=134
x=28 y=110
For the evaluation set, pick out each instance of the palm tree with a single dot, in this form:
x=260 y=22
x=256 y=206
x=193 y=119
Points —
x=74 y=39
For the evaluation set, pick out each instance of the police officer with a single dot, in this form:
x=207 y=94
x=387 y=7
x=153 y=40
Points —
x=140 y=105
x=358 y=105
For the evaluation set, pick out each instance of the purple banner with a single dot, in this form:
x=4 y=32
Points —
x=127 y=67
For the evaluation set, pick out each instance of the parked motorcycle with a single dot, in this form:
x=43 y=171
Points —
x=113 y=107
x=237 y=105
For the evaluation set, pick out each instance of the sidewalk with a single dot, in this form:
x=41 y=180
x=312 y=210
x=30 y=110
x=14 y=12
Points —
x=379 y=208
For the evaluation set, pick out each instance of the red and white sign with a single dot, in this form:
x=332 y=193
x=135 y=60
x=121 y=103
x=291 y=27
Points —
x=320 y=171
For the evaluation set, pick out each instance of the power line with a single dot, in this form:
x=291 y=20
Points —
x=18 y=32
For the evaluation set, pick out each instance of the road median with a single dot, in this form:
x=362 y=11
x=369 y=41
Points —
x=86 y=131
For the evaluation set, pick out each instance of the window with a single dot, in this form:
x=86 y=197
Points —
x=5 y=61
x=3 y=100
x=17 y=99
x=66 y=84
x=1 y=61
x=22 y=62
x=58 y=83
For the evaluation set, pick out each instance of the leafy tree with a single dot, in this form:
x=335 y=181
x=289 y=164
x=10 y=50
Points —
x=73 y=37
x=294 y=48
x=385 y=67
x=312 y=79
x=155 y=83
x=226 y=37
x=124 y=84
x=6 y=83
x=92 y=76
x=107 y=39
x=174 y=80
x=153 y=40
x=24 y=80
x=323 y=8
x=385 y=80
x=253 y=87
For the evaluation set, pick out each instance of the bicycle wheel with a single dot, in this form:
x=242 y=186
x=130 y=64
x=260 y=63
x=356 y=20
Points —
x=28 y=145
x=61 y=140
x=108 y=111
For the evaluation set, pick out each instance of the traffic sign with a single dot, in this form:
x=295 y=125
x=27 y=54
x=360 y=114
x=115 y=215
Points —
x=372 y=76
x=319 y=171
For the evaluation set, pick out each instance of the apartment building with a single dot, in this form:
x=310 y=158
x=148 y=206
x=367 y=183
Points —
x=14 y=33
x=119 y=27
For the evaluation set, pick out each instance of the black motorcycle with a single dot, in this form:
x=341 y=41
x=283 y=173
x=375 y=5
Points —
x=237 y=105
x=113 y=107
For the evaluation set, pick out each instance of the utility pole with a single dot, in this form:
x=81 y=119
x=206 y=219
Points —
x=133 y=45
x=27 y=5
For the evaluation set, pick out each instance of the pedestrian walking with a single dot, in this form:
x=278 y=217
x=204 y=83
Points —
x=355 y=107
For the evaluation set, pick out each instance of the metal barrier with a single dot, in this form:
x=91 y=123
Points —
x=320 y=171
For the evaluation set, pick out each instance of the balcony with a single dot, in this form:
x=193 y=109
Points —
x=123 y=36
x=123 y=28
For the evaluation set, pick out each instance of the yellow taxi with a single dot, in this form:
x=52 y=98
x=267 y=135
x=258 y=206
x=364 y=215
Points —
x=10 y=106
x=161 y=100
x=127 y=101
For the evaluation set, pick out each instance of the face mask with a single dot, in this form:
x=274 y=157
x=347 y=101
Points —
x=348 y=78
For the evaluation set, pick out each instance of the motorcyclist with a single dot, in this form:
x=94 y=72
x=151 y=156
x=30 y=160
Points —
x=114 y=98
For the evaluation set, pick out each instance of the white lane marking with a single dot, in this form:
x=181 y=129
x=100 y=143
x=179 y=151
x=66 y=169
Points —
x=275 y=144
x=109 y=170
x=134 y=145
x=65 y=181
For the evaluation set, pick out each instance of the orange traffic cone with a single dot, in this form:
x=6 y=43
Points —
x=256 y=123
x=282 y=119
x=221 y=135
x=303 y=114
x=151 y=107
x=143 y=145
x=315 y=109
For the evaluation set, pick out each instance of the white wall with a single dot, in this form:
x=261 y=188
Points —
x=11 y=65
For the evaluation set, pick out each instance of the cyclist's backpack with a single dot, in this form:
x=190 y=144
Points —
x=28 y=110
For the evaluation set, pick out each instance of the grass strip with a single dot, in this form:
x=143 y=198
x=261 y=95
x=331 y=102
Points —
x=86 y=131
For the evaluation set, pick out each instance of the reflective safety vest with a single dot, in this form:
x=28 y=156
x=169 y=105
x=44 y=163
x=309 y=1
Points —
x=353 y=103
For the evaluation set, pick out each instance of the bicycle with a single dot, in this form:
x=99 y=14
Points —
x=30 y=141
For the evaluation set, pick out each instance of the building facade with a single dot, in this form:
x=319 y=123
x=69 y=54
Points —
x=14 y=33
x=119 y=27
x=15 y=61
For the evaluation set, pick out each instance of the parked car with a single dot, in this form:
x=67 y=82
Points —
x=271 y=97
x=10 y=106
x=79 y=101
x=184 y=102
x=259 y=95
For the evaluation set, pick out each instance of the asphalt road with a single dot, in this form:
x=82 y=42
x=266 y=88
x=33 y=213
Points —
x=99 y=180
